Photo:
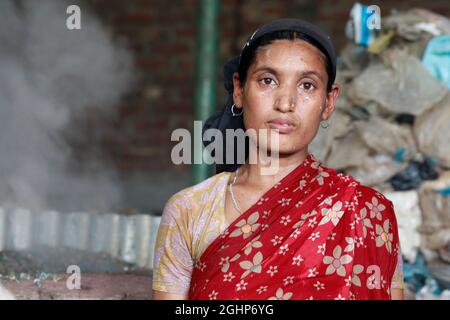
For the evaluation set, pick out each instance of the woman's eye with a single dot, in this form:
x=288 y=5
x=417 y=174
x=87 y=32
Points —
x=267 y=81
x=308 y=86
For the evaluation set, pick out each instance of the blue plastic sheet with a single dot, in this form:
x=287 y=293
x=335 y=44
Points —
x=436 y=58
x=417 y=274
x=445 y=192
x=400 y=155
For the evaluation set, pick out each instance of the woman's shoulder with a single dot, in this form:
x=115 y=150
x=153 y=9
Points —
x=368 y=198
x=372 y=193
x=364 y=197
x=360 y=190
x=194 y=194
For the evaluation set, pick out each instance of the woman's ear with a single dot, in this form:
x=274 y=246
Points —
x=237 y=91
x=330 y=102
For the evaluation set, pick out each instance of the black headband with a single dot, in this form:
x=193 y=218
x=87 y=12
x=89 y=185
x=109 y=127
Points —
x=321 y=40
x=224 y=119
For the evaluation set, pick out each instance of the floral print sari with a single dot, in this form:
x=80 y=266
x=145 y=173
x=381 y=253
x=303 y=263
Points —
x=316 y=234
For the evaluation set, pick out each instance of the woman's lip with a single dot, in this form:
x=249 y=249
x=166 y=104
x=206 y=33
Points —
x=281 y=126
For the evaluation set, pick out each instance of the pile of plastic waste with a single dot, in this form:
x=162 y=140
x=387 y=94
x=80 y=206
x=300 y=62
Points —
x=392 y=118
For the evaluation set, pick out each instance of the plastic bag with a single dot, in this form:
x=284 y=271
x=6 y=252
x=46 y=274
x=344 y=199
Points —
x=441 y=272
x=352 y=145
x=432 y=132
x=340 y=124
x=441 y=22
x=381 y=42
x=409 y=179
x=412 y=177
x=376 y=170
x=430 y=291
x=354 y=57
x=416 y=273
x=405 y=118
x=400 y=85
x=387 y=138
x=435 y=212
x=437 y=58
x=416 y=23
x=409 y=218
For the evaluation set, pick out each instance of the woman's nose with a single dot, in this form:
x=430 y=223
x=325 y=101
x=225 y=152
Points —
x=286 y=102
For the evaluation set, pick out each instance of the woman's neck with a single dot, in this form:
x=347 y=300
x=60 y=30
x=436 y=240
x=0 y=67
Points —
x=252 y=174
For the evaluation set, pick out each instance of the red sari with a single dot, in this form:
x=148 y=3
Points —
x=316 y=234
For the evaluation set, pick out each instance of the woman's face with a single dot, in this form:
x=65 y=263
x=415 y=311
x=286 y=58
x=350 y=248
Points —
x=286 y=90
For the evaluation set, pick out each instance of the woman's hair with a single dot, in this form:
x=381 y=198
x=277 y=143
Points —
x=249 y=55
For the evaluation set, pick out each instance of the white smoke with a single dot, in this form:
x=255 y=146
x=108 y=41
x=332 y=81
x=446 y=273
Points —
x=47 y=75
x=5 y=294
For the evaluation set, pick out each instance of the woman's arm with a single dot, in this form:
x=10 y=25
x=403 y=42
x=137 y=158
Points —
x=398 y=283
x=160 y=295
x=396 y=294
x=173 y=263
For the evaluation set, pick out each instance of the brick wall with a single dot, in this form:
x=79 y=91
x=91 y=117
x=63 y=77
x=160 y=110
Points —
x=161 y=34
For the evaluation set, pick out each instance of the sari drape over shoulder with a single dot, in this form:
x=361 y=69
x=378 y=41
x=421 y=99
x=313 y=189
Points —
x=316 y=234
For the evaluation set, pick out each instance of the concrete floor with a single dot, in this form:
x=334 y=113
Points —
x=94 y=286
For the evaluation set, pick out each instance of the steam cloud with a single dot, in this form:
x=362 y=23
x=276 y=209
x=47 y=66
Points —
x=48 y=74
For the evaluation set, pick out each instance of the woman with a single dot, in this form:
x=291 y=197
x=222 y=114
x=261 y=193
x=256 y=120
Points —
x=305 y=232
